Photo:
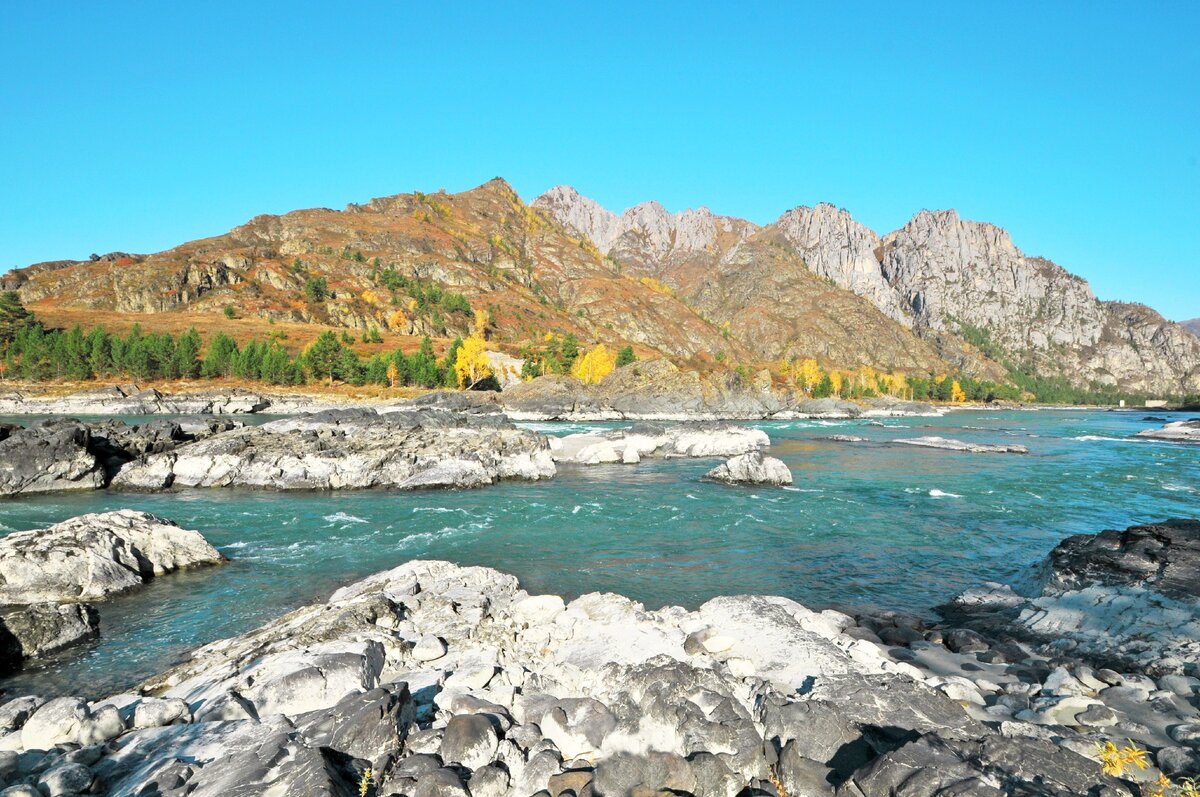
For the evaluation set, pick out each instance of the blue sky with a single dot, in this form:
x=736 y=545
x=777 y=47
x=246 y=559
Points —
x=137 y=126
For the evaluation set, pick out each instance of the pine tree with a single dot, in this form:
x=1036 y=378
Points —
x=322 y=356
x=625 y=356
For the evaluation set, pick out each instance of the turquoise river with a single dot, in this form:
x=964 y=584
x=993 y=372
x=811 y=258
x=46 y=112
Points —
x=866 y=525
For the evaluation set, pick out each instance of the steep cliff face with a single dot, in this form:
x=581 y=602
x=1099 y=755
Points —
x=837 y=247
x=754 y=283
x=955 y=275
x=948 y=279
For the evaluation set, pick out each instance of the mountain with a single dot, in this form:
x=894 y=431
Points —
x=392 y=262
x=962 y=287
x=1192 y=326
x=940 y=294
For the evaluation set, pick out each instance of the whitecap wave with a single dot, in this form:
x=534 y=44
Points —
x=936 y=493
x=342 y=517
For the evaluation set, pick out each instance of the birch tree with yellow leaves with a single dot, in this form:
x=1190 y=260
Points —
x=594 y=366
x=471 y=365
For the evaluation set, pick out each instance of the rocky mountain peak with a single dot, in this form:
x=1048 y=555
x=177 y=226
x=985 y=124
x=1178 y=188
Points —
x=581 y=215
x=839 y=248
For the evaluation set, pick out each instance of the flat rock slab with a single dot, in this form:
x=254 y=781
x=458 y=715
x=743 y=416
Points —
x=948 y=444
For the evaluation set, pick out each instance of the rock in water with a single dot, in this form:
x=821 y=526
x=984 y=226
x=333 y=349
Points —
x=752 y=468
x=48 y=456
x=643 y=440
x=958 y=445
x=40 y=629
x=45 y=575
x=1127 y=600
x=1180 y=431
x=95 y=556
x=352 y=449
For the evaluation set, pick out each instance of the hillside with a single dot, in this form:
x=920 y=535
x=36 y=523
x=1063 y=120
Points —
x=939 y=295
x=1192 y=326
x=945 y=279
x=427 y=264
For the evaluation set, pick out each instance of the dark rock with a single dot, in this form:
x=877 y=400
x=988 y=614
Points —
x=47 y=457
x=469 y=740
x=370 y=725
x=1164 y=557
x=40 y=629
x=626 y=773
x=964 y=640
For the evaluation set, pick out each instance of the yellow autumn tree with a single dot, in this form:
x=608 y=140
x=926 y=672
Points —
x=837 y=380
x=471 y=365
x=398 y=321
x=483 y=322
x=808 y=374
x=393 y=373
x=956 y=392
x=594 y=366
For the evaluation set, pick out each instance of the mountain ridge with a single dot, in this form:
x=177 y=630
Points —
x=941 y=275
x=703 y=289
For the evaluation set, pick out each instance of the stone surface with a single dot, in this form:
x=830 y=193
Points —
x=752 y=468
x=1180 y=431
x=94 y=556
x=958 y=445
x=352 y=449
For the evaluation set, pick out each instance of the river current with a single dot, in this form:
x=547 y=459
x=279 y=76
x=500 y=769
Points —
x=866 y=525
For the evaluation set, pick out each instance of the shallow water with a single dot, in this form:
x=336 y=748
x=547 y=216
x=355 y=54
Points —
x=865 y=525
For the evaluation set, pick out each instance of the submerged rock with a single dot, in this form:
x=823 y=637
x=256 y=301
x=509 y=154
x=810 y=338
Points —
x=958 y=445
x=752 y=468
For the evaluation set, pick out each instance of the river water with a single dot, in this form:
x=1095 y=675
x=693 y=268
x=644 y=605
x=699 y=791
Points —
x=866 y=525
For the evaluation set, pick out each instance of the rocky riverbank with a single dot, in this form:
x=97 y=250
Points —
x=655 y=390
x=50 y=577
x=447 y=680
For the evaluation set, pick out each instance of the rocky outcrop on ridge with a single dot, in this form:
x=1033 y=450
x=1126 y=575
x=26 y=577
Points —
x=47 y=576
x=752 y=468
x=351 y=449
x=1118 y=599
x=946 y=278
x=1181 y=431
x=837 y=247
x=453 y=680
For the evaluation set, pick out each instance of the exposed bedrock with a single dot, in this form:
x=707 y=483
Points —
x=453 y=680
x=352 y=449
x=642 y=440
x=1120 y=599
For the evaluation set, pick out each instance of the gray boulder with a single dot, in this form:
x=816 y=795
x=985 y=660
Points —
x=95 y=556
x=752 y=468
x=39 y=629
x=48 y=457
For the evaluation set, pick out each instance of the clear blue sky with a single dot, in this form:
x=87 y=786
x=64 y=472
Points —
x=137 y=126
